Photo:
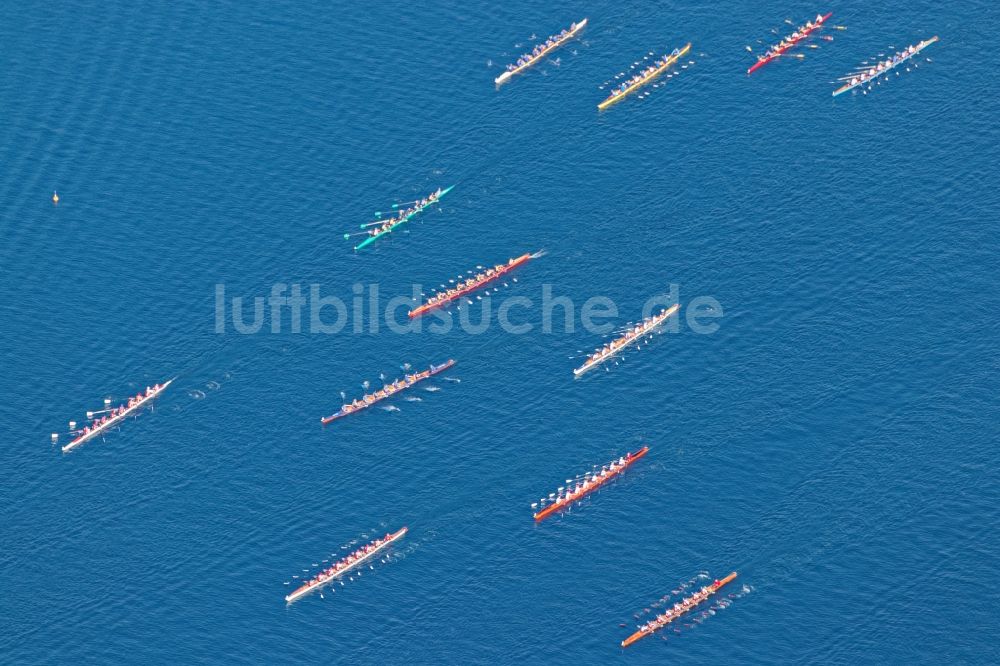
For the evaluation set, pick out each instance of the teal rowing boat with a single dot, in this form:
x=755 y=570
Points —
x=403 y=220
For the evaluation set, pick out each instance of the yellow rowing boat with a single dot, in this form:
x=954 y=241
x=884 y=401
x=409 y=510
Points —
x=618 y=96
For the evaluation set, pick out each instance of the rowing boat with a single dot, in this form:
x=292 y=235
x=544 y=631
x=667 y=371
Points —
x=469 y=285
x=792 y=41
x=881 y=68
x=387 y=391
x=616 y=346
x=345 y=565
x=678 y=610
x=529 y=60
x=650 y=74
x=403 y=218
x=119 y=414
x=590 y=483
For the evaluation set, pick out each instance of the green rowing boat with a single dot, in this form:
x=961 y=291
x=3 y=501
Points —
x=371 y=239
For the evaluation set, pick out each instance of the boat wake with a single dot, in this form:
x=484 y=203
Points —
x=709 y=611
x=671 y=598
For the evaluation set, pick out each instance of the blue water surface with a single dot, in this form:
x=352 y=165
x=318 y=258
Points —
x=834 y=441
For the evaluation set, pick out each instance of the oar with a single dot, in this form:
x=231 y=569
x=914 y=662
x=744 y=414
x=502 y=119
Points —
x=372 y=224
x=379 y=213
x=359 y=233
x=405 y=203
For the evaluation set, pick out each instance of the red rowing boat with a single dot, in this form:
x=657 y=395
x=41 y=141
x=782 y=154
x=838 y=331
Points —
x=590 y=483
x=386 y=391
x=680 y=608
x=469 y=285
x=792 y=41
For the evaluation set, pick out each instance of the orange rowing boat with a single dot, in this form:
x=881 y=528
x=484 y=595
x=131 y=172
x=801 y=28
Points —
x=679 y=609
x=590 y=483
x=469 y=285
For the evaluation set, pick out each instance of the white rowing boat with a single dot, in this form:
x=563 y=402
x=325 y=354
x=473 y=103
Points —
x=90 y=433
x=532 y=60
x=872 y=73
x=343 y=566
x=616 y=346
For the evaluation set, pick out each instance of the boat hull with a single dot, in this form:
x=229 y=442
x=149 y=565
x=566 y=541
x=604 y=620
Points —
x=116 y=420
x=920 y=47
x=416 y=312
x=611 y=101
x=552 y=508
x=315 y=585
x=508 y=75
x=590 y=365
x=642 y=633
x=430 y=372
x=760 y=63
x=371 y=239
